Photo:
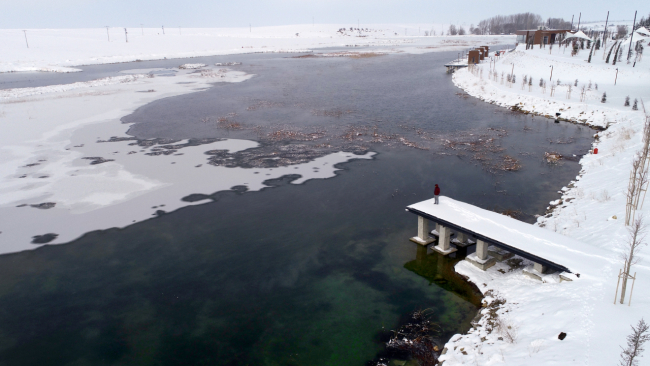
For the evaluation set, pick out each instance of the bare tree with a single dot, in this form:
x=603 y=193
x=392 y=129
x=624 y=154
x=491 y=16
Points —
x=621 y=31
x=631 y=250
x=509 y=23
x=639 y=176
x=635 y=343
x=452 y=30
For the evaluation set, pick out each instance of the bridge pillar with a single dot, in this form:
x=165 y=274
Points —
x=481 y=259
x=540 y=268
x=461 y=240
x=423 y=232
x=536 y=272
x=444 y=247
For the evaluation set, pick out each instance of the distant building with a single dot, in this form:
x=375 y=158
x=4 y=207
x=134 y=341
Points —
x=473 y=57
x=541 y=36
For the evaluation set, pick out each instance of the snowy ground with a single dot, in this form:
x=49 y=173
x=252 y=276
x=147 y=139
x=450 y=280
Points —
x=591 y=210
x=60 y=50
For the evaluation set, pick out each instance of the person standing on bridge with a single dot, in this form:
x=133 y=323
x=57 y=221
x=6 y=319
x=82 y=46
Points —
x=436 y=193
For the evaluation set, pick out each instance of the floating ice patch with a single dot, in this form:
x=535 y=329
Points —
x=191 y=66
x=135 y=184
x=67 y=167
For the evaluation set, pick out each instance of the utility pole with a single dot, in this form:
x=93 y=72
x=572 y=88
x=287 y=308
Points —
x=126 y=35
x=580 y=17
x=141 y=27
x=629 y=50
x=24 y=31
x=163 y=27
x=108 y=35
x=572 y=22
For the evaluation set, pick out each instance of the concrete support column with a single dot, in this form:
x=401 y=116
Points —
x=536 y=272
x=481 y=259
x=443 y=239
x=423 y=228
x=481 y=250
x=444 y=246
x=461 y=240
x=423 y=232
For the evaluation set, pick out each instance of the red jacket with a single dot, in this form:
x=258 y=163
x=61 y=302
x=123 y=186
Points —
x=436 y=191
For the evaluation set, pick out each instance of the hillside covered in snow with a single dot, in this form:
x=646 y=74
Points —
x=523 y=318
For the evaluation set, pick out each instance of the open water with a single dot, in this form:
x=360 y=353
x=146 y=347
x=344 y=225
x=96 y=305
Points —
x=309 y=274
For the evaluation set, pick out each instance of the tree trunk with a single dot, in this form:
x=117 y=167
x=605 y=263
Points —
x=624 y=285
x=593 y=45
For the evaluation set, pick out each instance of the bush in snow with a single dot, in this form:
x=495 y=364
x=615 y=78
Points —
x=507 y=329
x=514 y=78
x=596 y=86
x=575 y=83
x=635 y=107
x=635 y=344
x=541 y=82
x=597 y=44
x=627 y=101
x=558 y=81
x=604 y=98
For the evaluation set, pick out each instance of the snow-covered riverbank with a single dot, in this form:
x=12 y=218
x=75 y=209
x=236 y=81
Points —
x=60 y=50
x=591 y=209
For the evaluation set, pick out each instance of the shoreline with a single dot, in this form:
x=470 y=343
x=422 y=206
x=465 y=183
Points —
x=572 y=215
x=56 y=55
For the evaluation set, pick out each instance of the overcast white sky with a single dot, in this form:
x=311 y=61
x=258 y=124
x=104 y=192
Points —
x=239 y=13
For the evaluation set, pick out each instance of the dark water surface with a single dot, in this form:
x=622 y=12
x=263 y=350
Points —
x=310 y=274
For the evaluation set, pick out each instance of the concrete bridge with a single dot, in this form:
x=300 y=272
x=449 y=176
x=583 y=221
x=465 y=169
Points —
x=497 y=237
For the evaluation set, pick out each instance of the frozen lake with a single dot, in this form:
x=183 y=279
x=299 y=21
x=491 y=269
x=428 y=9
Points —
x=295 y=274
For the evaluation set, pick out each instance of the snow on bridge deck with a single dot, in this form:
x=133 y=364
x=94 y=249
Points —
x=531 y=242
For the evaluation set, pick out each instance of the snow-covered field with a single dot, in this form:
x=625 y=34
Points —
x=591 y=210
x=60 y=50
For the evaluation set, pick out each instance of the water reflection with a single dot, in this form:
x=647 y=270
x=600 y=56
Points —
x=439 y=269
